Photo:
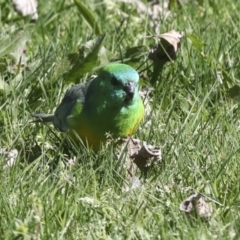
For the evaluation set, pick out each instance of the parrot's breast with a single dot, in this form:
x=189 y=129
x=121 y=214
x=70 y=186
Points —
x=92 y=126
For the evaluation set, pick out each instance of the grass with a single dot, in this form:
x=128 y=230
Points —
x=196 y=123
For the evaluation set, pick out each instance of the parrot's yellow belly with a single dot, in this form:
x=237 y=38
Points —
x=93 y=130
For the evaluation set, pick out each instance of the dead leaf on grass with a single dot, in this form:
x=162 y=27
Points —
x=196 y=205
x=140 y=153
x=167 y=47
x=26 y=8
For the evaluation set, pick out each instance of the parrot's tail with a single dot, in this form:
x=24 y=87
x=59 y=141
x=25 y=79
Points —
x=43 y=117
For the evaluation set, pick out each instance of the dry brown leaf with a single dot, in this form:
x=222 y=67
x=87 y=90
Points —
x=142 y=154
x=167 y=48
x=195 y=204
x=173 y=37
x=26 y=8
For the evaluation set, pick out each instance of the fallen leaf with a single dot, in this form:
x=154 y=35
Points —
x=165 y=51
x=26 y=8
x=140 y=153
x=144 y=155
x=195 y=204
x=167 y=47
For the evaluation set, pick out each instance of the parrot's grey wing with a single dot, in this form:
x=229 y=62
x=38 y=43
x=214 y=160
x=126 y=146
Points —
x=74 y=97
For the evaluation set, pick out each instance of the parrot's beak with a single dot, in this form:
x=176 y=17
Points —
x=129 y=89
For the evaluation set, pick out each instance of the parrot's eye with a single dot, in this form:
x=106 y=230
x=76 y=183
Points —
x=115 y=82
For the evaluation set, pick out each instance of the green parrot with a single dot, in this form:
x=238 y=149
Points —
x=109 y=103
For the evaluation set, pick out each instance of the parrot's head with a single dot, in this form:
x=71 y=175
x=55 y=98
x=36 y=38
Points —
x=118 y=83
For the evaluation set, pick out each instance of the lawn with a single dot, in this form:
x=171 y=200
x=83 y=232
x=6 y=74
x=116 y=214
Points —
x=53 y=189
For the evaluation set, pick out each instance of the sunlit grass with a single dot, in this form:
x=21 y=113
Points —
x=194 y=121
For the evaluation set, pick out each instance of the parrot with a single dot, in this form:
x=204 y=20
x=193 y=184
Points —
x=108 y=103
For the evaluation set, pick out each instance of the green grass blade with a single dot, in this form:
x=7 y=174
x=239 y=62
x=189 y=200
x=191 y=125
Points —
x=88 y=16
x=86 y=65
